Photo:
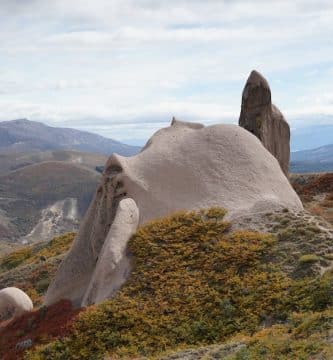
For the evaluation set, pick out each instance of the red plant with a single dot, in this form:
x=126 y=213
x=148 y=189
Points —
x=321 y=184
x=38 y=326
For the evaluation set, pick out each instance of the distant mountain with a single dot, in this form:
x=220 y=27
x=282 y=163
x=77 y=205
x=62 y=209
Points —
x=47 y=178
x=45 y=199
x=314 y=160
x=311 y=137
x=22 y=135
x=14 y=161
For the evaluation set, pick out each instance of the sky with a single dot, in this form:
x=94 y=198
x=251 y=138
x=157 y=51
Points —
x=124 y=68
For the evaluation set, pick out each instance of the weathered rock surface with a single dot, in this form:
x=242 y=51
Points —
x=183 y=167
x=13 y=302
x=264 y=120
x=113 y=265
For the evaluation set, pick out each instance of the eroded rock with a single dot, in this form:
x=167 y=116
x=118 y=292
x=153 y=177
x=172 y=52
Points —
x=183 y=167
x=264 y=120
x=113 y=265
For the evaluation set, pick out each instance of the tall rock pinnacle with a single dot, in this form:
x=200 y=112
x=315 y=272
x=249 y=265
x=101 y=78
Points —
x=264 y=120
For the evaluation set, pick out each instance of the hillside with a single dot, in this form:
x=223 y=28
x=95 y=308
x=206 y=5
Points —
x=12 y=162
x=250 y=295
x=22 y=135
x=47 y=178
x=44 y=199
x=316 y=192
x=32 y=267
x=313 y=160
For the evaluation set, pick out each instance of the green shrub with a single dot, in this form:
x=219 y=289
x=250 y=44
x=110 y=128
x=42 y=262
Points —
x=16 y=258
x=309 y=259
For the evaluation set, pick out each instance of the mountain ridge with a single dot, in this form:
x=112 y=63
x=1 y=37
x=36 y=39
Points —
x=311 y=136
x=319 y=159
x=23 y=135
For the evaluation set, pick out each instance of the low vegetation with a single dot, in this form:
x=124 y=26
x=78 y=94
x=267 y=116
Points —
x=304 y=337
x=196 y=283
x=316 y=192
x=31 y=268
x=37 y=253
x=39 y=326
x=308 y=258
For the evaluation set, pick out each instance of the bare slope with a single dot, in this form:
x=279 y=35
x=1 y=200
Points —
x=26 y=192
x=15 y=161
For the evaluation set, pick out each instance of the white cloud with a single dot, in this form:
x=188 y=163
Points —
x=128 y=62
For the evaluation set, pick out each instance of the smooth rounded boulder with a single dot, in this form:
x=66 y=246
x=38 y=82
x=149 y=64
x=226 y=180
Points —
x=13 y=302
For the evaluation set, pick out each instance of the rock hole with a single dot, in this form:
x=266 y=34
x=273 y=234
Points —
x=113 y=170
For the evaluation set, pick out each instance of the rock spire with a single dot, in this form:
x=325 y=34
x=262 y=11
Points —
x=264 y=120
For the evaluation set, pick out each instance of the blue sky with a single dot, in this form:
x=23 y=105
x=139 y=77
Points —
x=124 y=68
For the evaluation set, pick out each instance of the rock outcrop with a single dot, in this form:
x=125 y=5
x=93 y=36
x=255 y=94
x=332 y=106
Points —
x=13 y=302
x=113 y=265
x=264 y=120
x=183 y=167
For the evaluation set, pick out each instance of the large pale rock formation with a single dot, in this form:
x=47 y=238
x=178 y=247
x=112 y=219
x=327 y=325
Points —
x=264 y=120
x=13 y=302
x=185 y=166
x=113 y=265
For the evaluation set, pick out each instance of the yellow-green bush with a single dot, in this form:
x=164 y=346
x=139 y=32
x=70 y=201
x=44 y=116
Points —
x=194 y=283
x=306 y=336
x=32 y=267
x=16 y=258
x=57 y=246
x=36 y=253
x=309 y=258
